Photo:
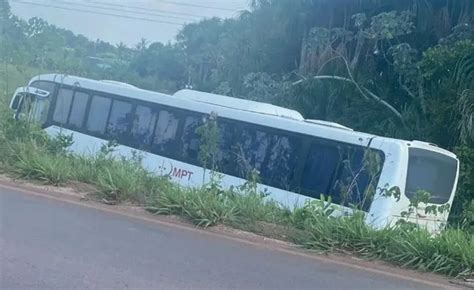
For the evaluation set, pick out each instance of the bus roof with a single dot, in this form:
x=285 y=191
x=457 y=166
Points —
x=239 y=104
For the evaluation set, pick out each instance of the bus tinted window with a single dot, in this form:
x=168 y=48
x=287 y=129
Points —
x=78 y=109
x=281 y=161
x=352 y=179
x=63 y=104
x=319 y=170
x=165 y=133
x=190 y=139
x=274 y=156
x=359 y=175
x=349 y=174
x=119 y=119
x=431 y=172
x=143 y=125
x=251 y=150
x=98 y=114
x=225 y=157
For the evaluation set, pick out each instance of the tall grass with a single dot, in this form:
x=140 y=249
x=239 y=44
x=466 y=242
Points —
x=210 y=205
x=450 y=253
x=33 y=162
x=202 y=207
x=28 y=153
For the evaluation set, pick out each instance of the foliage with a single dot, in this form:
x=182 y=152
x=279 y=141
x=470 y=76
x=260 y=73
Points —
x=466 y=113
x=34 y=162
x=409 y=247
x=313 y=210
x=419 y=201
x=463 y=206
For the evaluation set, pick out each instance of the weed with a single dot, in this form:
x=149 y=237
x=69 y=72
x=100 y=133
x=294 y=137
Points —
x=209 y=142
x=33 y=162
x=202 y=207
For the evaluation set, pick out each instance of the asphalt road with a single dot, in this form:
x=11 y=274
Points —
x=48 y=244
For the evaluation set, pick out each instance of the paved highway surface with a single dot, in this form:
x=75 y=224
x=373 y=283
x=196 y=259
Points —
x=47 y=244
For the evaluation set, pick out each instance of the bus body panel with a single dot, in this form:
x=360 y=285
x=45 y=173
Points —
x=391 y=175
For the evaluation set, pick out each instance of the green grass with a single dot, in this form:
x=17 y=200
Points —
x=209 y=205
x=34 y=162
x=27 y=152
x=202 y=207
x=450 y=253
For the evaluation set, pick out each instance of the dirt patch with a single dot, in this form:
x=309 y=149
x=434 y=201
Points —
x=73 y=189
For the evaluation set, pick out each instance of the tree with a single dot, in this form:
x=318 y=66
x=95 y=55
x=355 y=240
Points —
x=142 y=45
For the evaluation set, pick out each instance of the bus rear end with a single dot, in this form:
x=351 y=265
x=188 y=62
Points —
x=431 y=181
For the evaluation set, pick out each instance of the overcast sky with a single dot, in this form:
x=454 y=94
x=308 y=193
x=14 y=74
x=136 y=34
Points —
x=164 y=18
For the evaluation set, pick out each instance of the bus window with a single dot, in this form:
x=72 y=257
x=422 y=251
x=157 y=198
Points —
x=41 y=109
x=190 y=139
x=63 y=104
x=260 y=144
x=26 y=106
x=275 y=157
x=319 y=170
x=119 y=119
x=281 y=161
x=98 y=114
x=358 y=176
x=78 y=110
x=165 y=133
x=250 y=151
x=143 y=125
x=431 y=172
x=352 y=179
x=224 y=157
x=41 y=105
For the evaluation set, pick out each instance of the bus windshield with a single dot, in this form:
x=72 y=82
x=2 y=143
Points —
x=33 y=108
x=432 y=172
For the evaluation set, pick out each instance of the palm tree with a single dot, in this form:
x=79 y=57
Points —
x=142 y=45
x=122 y=51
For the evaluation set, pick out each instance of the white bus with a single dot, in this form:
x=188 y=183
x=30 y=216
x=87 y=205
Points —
x=297 y=159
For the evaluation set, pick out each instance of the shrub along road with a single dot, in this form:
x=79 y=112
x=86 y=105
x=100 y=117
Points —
x=47 y=243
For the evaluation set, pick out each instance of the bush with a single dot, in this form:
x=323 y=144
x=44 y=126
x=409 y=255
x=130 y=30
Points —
x=203 y=207
x=210 y=205
x=450 y=253
x=462 y=212
x=31 y=161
